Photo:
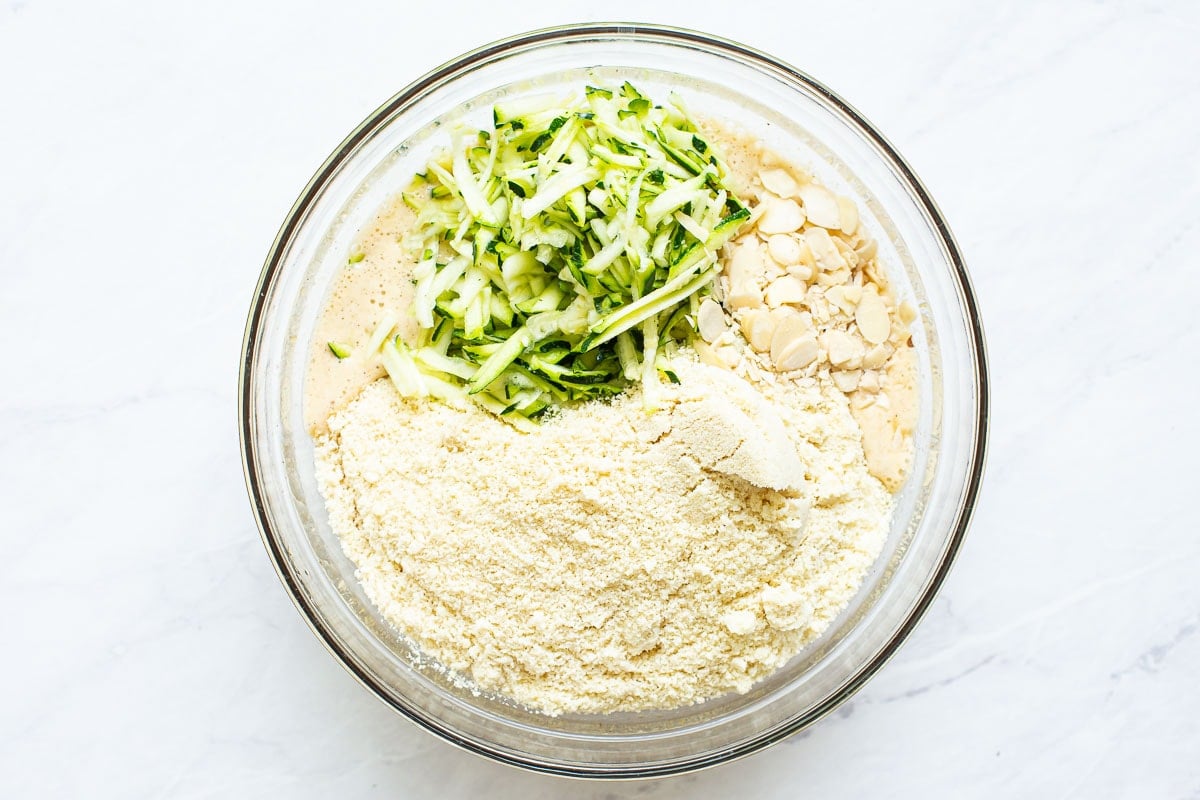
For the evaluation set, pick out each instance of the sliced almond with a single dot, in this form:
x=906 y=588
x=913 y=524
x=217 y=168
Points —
x=710 y=320
x=847 y=215
x=846 y=380
x=746 y=295
x=785 y=290
x=877 y=356
x=787 y=333
x=846 y=251
x=801 y=272
x=869 y=382
x=867 y=250
x=835 y=277
x=778 y=315
x=728 y=355
x=853 y=292
x=872 y=318
x=781 y=216
x=824 y=251
x=778 y=181
x=841 y=347
x=820 y=206
x=707 y=354
x=839 y=296
x=784 y=249
x=757 y=328
x=799 y=354
x=745 y=270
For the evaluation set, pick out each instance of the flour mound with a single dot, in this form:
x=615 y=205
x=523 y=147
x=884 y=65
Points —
x=615 y=559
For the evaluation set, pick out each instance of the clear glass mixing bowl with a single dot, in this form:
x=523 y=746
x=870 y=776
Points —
x=794 y=114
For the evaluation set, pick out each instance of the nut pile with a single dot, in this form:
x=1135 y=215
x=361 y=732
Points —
x=803 y=286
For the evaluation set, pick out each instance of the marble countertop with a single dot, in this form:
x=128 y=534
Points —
x=150 y=150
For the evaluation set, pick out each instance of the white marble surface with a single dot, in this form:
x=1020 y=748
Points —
x=148 y=152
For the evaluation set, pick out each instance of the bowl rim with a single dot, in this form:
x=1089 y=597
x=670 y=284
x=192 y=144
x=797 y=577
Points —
x=411 y=94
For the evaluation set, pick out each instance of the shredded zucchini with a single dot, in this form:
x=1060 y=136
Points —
x=561 y=253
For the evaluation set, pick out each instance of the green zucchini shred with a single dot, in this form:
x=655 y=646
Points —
x=563 y=253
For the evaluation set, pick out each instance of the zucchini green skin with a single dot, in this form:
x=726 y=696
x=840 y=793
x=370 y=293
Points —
x=562 y=251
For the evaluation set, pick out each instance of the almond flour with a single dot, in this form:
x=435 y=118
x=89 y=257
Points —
x=615 y=560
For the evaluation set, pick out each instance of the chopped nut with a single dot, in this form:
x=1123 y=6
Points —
x=838 y=296
x=877 y=356
x=815 y=300
x=781 y=216
x=872 y=318
x=842 y=348
x=757 y=328
x=778 y=315
x=846 y=251
x=784 y=249
x=801 y=272
x=710 y=320
x=786 y=333
x=778 y=181
x=799 y=354
x=728 y=355
x=785 y=290
x=907 y=313
x=745 y=296
x=869 y=382
x=847 y=214
x=846 y=380
x=820 y=206
x=824 y=251
x=867 y=250
x=835 y=277
x=707 y=353
x=745 y=269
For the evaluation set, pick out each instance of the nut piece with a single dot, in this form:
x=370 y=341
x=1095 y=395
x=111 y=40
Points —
x=710 y=320
x=799 y=354
x=841 y=347
x=848 y=214
x=840 y=297
x=869 y=382
x=801 y=272
x=824 y=251
x=846 y=380
x=907 y=313
x=784 y=249
x=785 y=290
x=787 y=332
x=872 y=318
x=781 y=216
x=745 y=268
x=877 y=356
x=708 y=355
x=867 y=250
x=757 y=328
x=778 y=181
x=820 y=206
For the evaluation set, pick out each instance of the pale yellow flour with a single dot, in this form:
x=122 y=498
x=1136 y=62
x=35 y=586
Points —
x=615 y=559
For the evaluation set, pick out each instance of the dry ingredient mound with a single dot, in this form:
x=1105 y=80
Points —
x=616 y=560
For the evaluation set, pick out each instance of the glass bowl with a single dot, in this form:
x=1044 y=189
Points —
x=793 y=114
